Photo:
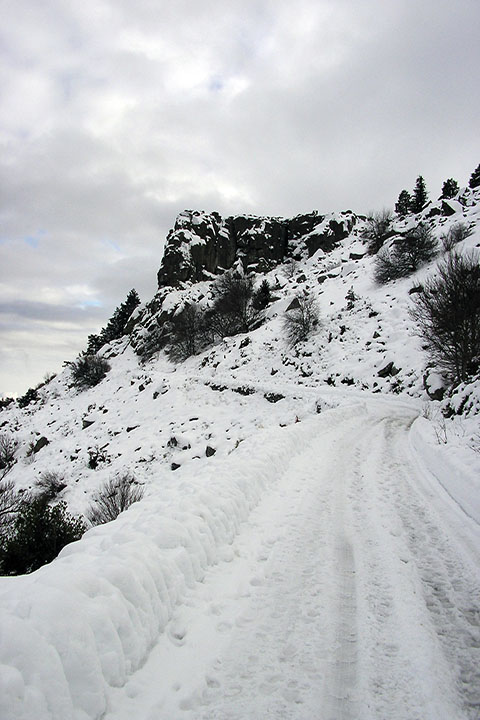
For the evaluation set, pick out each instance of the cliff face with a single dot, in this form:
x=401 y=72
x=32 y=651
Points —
x=201 y=244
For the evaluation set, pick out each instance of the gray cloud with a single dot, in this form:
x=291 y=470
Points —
x=115 y=117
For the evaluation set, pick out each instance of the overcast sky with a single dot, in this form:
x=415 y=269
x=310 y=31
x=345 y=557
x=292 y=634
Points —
x=117 y=115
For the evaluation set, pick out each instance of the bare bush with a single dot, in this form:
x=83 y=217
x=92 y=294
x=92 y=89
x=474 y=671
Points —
x=8 y=448
x=447 y=312
x=50 y=484
x=301 y=319
x=406 y=255
x=378 y=230
x=187 y=337
x=233 y=312
x=113 y=498
x=387 y=267
x=10 y=501
x=458 y=232
x=415 y=248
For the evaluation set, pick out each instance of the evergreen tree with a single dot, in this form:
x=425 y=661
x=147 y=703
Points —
x=95 y=342
x=420 y=197
x=262 y=296
x=450 y=188
x=475 y=178
x=115 y=327
x=404 y=203
x=39 y=533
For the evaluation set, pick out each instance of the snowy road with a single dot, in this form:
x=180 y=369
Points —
x=348 y=594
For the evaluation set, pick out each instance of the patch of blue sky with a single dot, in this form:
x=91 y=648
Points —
x=34 y=240
x=216 y=84
x=112 y=244
x=92 y=303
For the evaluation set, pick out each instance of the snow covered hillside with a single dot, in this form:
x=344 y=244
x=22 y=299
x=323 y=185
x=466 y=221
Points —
x=308 y=542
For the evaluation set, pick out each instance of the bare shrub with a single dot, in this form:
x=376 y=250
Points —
x=407 y=254
x=187 y=337
x=415 y=248
x=301 y=319
x=233 y=312
x=10 y=501
x=447 y=312
x=378 y=230
x=50 y=484
x=8 y=448
x=387 y=267
x=458 y=232
x=113 y=498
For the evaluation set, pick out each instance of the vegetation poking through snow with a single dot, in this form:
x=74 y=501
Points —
x=447 y=311
x=88 y=370
x=301 y=318
x=35 y=535
x=114 y=497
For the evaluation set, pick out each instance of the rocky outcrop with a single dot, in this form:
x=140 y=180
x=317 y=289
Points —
x=204 y=244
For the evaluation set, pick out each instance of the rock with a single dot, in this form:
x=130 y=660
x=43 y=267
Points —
x=294 y=305
x=209 y=451
x=201 y=244
x=450 y=207
x=87 y=423
x=41 y=443
x=415 y=289
x=434 y=385
x=273 y=397
x=174 y=466
x=388 y=371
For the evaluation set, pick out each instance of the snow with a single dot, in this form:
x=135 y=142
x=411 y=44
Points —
x=323 y=562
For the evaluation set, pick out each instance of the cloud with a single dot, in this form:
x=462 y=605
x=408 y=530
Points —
x=115 y=117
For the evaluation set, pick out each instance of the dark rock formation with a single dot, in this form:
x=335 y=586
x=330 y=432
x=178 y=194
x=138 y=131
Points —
x=202 y=244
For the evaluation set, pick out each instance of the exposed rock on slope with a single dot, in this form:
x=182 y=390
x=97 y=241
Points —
x=205 y=243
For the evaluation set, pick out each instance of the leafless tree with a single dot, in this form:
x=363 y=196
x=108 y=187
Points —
x=447 y=312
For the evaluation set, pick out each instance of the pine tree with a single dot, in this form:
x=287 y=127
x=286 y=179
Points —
x=262 y=296
x=404 y=203
x=115 y=327
x=475 y=178
x=450 y=188
x=420 y=197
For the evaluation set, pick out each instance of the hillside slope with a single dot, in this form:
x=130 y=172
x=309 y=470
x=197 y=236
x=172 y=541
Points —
x=314 y=495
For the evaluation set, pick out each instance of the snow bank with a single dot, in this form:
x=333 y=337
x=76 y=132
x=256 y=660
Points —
x=88 y=620
x=448 y=468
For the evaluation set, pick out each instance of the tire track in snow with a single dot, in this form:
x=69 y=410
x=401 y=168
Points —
x=450 y=592
x=341 y=701
x=320 y=613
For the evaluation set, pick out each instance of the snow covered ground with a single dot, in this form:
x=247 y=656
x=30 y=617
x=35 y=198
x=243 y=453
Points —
x=320 y=561
x=309 y=576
